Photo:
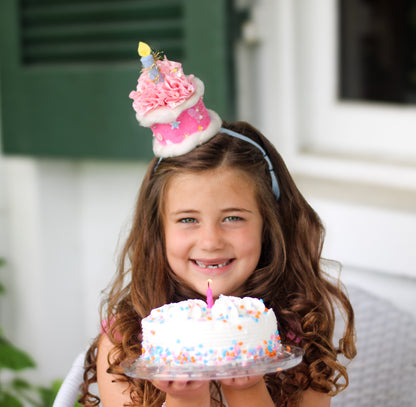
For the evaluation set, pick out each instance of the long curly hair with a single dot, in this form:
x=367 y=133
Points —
x=289 y=277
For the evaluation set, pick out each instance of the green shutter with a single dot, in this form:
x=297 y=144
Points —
x=68 y=66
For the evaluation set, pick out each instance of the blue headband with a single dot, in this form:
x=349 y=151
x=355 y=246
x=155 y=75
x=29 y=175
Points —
x=275 y=184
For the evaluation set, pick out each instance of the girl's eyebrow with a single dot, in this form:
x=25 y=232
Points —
x=182 y=211
x=236 y=210
x=193 y=211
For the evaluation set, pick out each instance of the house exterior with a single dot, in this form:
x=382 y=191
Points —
x=63 y=218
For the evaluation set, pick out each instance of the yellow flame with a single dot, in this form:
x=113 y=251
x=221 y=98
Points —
x=144 y=50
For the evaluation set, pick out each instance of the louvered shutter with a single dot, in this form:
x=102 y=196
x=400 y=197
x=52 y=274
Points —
x=67 y=67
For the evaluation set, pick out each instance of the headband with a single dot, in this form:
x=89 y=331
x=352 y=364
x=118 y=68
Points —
x=171 y=104
x=275 y=184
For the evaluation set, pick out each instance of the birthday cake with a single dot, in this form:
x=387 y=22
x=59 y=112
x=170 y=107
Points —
x=171 y=104
x=233 y=330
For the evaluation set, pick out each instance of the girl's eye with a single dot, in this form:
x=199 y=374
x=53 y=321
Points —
x=233 y=219
x=187 y=220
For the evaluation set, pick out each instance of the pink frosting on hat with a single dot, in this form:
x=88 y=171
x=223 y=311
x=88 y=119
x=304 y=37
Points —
x=171 y=92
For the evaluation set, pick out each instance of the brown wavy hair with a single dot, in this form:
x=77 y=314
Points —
x=289 y=276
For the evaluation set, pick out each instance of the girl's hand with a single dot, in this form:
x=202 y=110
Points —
x=249 y=391
x=184 y=393
x=240 y=383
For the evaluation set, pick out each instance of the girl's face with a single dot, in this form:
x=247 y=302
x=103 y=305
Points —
x=213 y=229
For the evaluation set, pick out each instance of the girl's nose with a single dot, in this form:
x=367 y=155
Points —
x=211 y=237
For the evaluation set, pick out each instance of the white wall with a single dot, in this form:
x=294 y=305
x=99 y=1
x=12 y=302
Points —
x=60 y=221
x=374 y=242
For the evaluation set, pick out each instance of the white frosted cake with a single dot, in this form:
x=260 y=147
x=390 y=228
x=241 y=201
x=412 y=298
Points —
x=188 y=332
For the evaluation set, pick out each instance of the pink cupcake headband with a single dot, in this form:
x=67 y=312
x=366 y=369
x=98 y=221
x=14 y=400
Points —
x=171 y=104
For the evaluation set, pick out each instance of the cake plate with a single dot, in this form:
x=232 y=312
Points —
x=290 y=356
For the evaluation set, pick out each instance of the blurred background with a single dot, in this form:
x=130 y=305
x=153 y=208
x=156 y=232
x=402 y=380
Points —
x=331 y=82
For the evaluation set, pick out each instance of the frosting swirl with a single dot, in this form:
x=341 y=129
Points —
x=171 y=92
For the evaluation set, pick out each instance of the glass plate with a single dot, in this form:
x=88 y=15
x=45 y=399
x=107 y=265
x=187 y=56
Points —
x=142 y=369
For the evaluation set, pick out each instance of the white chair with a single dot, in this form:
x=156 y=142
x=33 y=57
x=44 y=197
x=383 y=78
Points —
x=70 y=389
x=383 y=374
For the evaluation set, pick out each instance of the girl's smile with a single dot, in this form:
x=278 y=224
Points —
x=212 y=267
x=213 y=229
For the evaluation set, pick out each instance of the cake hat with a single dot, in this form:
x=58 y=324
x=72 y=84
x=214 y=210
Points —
x=171 y=104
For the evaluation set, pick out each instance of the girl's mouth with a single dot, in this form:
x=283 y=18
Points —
x=212 y=265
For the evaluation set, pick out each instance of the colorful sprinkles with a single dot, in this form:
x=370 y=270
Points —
x=197 y=354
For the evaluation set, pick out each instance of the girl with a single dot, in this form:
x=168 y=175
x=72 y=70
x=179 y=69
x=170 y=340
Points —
x=215 y=206
x=220 y=204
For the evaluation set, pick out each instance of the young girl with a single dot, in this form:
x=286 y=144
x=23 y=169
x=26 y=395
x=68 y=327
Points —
x=228 y=210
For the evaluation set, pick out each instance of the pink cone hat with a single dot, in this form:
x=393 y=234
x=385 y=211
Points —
x=171 y=104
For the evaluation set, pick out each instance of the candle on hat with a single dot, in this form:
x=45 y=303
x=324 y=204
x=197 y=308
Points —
x=149 y=63
x=210 y=299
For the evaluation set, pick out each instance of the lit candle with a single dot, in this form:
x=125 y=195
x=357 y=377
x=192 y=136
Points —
x=210 y=300
x=149 y=62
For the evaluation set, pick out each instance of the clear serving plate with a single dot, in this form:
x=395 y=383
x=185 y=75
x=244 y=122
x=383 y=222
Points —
x=143 y=369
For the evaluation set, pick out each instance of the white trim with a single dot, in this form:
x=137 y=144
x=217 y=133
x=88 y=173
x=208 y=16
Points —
x=190 y=142
x=354 y=170
x=386 y=131
x=294 y=102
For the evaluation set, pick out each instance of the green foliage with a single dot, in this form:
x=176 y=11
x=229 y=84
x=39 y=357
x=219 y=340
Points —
x=13 y=358
x=2 y=289
x=8 y=400
x=19 y=392
x=16 y=391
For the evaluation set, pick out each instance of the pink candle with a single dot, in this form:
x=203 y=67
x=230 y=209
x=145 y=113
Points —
x=210 y=299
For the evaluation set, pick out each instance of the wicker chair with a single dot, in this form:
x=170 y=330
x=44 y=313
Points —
x=383 y=374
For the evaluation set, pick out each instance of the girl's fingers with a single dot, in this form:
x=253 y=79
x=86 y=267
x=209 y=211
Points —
x=241 y=382
x=177 y=387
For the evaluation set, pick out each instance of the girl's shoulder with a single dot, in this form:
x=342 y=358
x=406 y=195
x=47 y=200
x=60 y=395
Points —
x=312 y=398
x=112 y=391
x=106 y=325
